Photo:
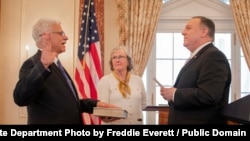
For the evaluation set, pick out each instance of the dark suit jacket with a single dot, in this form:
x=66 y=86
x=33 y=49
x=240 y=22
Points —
x=203 y=86
x=47 y=95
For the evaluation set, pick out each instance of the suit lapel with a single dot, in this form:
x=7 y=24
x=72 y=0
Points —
x=192 y=60
x=62 y=77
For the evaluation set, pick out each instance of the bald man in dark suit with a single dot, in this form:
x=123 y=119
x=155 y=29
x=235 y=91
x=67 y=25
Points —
x=202 y=86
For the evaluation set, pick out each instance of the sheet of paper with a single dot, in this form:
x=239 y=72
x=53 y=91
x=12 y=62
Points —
x=157 y=82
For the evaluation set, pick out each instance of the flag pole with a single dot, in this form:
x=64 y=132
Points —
x=85 y=38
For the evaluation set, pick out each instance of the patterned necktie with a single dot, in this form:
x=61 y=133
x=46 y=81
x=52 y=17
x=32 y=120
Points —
x=59 y=64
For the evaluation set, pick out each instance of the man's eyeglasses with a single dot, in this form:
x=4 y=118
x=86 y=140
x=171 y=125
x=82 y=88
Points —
x=59 y=33
x=118 y=57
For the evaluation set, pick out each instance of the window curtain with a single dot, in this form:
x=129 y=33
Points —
x=241 y=15
x=137 y=21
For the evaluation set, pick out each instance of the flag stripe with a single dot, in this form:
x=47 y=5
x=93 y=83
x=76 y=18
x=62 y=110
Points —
x=89 y=80
x=96 y=57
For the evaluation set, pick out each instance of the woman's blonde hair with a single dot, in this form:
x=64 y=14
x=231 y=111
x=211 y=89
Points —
x=124 y=49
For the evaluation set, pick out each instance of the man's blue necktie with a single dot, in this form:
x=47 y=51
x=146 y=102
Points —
x=59 y=64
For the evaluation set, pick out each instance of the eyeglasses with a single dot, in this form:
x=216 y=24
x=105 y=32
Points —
x=59 y=33
x=118 y=57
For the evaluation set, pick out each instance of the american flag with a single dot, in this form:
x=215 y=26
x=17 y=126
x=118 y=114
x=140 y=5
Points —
x=88 y=68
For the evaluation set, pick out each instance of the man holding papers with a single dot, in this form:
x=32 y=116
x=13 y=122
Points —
x=202 y=87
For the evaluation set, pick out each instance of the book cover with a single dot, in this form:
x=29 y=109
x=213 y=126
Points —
x=110 y=112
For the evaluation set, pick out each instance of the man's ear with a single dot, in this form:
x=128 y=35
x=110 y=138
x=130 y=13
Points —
x=204 y=32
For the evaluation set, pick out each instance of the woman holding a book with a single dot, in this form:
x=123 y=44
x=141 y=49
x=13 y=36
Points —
x=122 y=88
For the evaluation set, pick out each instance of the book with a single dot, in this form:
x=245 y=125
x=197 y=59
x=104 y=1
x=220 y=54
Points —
x=110 y=112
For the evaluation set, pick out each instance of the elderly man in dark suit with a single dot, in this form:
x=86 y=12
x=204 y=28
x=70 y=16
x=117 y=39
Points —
x=45 y=87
